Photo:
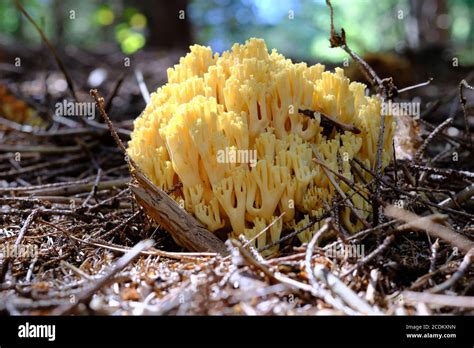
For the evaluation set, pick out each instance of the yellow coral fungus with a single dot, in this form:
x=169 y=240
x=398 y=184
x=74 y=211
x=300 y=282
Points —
x=229 y=128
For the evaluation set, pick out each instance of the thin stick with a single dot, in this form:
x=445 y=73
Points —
x=434 y=256
x=387 y=241
x=342 y=127
x=141 y=84
x=463 y=267
x=309 y=251
x=99 y=101
x=434 y=133
x=339 y=190
x=459 y=197
x=263 y=230
x=7 y=261
x=277 y=276
x=113 y=93
x=172 y=255
x=409 y=88
x=434 y=229
x=123 y=262
x=93 y=191
x=51 y=48
x=378 y=169
x=44 y=148
x=464 y=84
x=384 y=86
x=343 y=291
x=443 y=171
x=120 y=226
x=440 y=300
x=423 y=200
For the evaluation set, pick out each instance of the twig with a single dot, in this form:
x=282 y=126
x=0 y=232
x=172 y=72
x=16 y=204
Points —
x=344 y=292
x=263 y=230
x=109 y=199
x=7 y=260
x=459 y=197
x=51 y=48
x=387 y=241
x=443 y=171
x=409 y=88
x=99 y=101
x=309 y=251
x=463 y=84
x=40 y=133
x=440 y=300
x=44 y=148
x=463 y=267
x=277 y=276
x=378 y=169
x=76 y=270
x=434 y=229
x=434 y=255
x=71 y=190
x=338 y=189
x=408 y=194
x=119 y=226
x=44 y=186
x=121 y=249
x=330 y=121
x=113 y=93
x=311 y=223
x=384 y=86
x=141 y=84
x=35 y=167
x=93 y=191
x=123 y=262
x=436 y=131
x=256 y=255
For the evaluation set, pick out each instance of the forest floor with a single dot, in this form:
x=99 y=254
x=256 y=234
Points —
x=75 y=241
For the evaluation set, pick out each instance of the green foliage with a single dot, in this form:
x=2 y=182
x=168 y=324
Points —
x=298 y=28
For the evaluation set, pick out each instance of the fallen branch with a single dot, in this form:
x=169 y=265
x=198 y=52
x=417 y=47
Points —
x=434 y=229
x=459 y=197
x=440 y=300
x=183 y=227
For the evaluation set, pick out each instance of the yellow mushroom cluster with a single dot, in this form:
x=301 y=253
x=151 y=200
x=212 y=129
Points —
x=228 y=128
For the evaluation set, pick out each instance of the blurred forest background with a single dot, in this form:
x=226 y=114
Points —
x=298 y=28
